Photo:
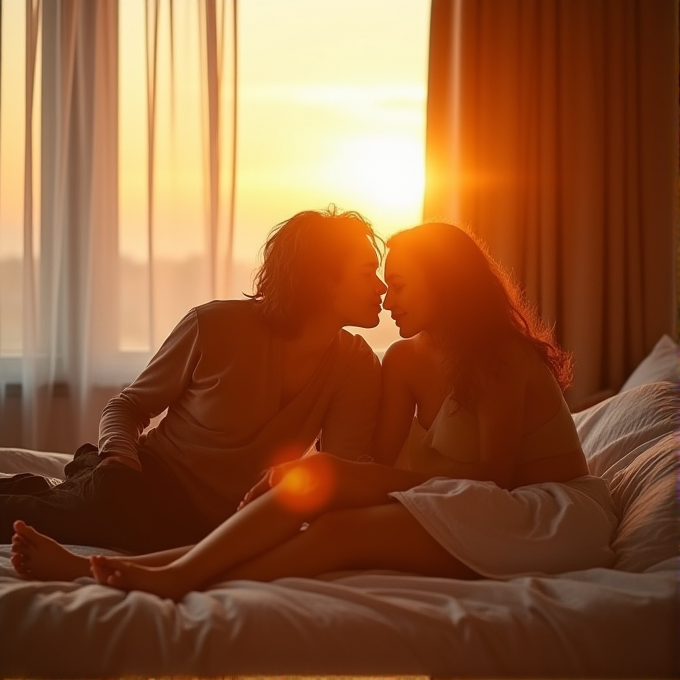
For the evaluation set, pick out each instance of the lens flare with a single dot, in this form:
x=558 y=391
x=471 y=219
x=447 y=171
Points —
x=306 y=488
x=297 y=481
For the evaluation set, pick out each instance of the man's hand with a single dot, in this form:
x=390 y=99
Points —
x=132 y=463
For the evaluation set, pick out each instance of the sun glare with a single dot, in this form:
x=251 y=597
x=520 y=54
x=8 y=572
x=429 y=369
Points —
x=387 y=172
x=332 y=111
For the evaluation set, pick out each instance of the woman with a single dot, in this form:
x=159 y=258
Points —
x=490 y=478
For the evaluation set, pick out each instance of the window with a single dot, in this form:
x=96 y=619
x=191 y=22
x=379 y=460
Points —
x=330 y=109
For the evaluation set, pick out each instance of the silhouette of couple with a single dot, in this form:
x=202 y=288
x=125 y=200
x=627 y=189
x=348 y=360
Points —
x=467 y=405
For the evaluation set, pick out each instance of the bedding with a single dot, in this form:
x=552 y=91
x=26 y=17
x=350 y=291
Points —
x=617 y=621
x=661 y=364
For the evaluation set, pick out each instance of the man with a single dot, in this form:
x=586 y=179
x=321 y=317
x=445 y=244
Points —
x=246 y=384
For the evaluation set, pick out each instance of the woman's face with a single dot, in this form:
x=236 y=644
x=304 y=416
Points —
x=409 y=296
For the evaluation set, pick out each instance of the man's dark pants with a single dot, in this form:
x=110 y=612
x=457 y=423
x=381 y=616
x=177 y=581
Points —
x=109 y=506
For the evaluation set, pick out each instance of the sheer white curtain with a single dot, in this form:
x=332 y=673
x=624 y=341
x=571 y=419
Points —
x=552 y=132
x=72 y=353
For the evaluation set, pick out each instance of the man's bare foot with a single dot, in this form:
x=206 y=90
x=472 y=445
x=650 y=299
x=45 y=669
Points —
x=37 y=556
x=124 y=575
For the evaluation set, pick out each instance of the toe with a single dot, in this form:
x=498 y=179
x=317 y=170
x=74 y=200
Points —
x=20 y=526
x=19 y=565
x=18 y=541
x=24 y=531
x=118 y=579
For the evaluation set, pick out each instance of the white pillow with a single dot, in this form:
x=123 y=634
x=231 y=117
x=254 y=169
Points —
x=47 y=463
x=662 y=363
x=644 y=493
x=626 y=422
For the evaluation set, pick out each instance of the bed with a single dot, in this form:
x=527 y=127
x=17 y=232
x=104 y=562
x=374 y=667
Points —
x=618 y=622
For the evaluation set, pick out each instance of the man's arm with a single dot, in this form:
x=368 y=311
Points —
x=162 y=382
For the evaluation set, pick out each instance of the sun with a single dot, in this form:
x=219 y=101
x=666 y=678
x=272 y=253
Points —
x=388 y=173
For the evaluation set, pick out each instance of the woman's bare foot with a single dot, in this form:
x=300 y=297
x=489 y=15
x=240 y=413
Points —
x=37 y=556
x=118 y=573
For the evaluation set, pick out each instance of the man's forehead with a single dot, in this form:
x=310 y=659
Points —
x=364 y=255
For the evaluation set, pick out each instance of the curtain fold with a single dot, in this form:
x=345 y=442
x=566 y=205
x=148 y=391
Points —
x=68 y=331
x=552 y=132
x=77 y=278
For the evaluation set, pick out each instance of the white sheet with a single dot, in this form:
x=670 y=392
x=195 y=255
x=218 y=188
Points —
x=594 y=623
x=531 y=530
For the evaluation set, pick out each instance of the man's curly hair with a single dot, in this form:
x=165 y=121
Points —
x=302 y=258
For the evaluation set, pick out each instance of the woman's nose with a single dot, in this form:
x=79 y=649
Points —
x=381 y=288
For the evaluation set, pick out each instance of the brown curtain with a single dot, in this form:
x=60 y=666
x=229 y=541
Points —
x=552 y=133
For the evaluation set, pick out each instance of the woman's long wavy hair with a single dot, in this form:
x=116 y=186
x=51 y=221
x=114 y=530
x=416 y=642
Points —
x=302 y=260
x=481 y=307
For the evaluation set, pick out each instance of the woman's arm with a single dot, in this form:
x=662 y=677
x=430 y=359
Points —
x=500 y=413
x=397 y=404
x=349 y=421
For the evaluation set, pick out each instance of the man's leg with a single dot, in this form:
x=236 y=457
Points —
x=26 y=483
x=62 y=511
x=108 y=506
x=160 y=516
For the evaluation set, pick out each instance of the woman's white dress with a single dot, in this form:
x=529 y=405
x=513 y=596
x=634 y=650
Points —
x=546 y=528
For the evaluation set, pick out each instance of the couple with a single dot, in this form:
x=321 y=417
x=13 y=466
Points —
x=474 y=468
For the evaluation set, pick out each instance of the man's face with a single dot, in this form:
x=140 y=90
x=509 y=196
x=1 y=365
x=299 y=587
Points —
x=359 y=290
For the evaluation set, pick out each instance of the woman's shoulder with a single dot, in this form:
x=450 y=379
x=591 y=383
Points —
x=400 y=354
x=411 y=357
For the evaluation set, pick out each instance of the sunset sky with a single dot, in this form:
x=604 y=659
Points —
x=332 y=97
x=331 y=110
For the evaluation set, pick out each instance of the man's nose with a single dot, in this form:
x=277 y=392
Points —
x=387 y=300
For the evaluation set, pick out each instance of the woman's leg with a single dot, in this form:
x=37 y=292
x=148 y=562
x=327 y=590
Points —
x=40 y=557
x=380 y=537
x=384 y=537
x=258 y=527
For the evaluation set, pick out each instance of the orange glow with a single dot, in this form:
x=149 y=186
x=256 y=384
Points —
x=305 y=490
x=385 y=172
x=297 y=481
x=325 y=115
